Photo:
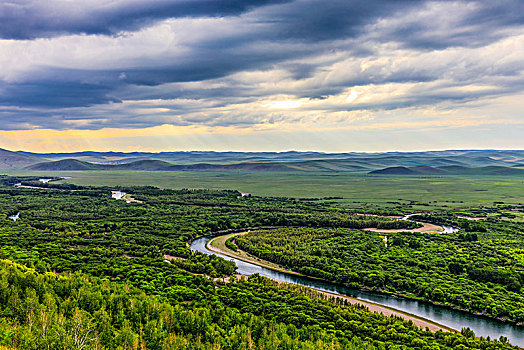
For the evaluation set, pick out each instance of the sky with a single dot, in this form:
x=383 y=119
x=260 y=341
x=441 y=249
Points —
x=261 y=75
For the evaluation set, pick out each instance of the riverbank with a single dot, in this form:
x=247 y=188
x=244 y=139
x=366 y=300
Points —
x=426 y=228
x=218 y=245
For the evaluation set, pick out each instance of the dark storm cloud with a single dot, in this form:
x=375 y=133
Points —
x=208 y=59
x=29 y=19
x=254 y=36
x=313 y=20
x=462 y=24
x=48 y=94
x=494 y=14
x=63 y=88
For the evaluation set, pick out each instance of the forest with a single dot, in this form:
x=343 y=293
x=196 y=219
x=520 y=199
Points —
x=75 y=311
x=479 y=268
x=81 y=270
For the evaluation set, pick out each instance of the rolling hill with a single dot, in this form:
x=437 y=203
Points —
x=153 y=165
x=401 y=170
x=66 y=164
x=15 y=160
x=461 y=162
x=79 y=165
x=451 y=170
x=373 y=161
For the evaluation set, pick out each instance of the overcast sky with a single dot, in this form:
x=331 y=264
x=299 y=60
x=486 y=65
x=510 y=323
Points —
x=261 y=75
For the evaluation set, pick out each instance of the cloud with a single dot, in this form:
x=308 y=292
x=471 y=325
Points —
x=50 y=94
x=133 y=64
x=443 y=24
x=29 y=19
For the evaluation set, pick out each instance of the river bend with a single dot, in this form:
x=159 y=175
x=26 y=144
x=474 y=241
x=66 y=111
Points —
x=482 y=326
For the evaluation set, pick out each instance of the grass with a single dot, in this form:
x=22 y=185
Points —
x=422 y=193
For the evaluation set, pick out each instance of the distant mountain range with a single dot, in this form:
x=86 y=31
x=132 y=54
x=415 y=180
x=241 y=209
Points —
x=153 y=165
x=453 y=162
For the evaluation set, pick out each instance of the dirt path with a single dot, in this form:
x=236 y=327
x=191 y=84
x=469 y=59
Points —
x=172 y=257
x=426 y=227
x=217 y=245
x=127 y=197
x=471 y=217
x=386 y=311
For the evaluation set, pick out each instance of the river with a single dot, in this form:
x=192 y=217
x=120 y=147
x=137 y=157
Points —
x=447 y=229
x=482 y=326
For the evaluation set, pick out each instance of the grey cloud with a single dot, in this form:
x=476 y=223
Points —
x=29 y=19
x=479 y=23
x=313 y=20
x=49 y=94
x=286 y=35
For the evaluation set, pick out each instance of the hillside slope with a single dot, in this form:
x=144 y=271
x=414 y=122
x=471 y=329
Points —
x=154 y=165
x=66 y=164
x=15 y=160
x=450 y=170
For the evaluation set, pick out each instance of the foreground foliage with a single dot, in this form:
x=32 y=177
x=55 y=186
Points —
x=50 y=311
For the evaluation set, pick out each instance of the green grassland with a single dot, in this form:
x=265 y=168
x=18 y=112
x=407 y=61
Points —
x=416 y=193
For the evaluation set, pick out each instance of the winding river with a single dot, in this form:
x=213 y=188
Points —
x=482 y=326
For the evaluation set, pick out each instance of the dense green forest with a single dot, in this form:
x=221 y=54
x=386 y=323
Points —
x=479 y=269
x=86 y=230
x=84 y=271
x=52 y=311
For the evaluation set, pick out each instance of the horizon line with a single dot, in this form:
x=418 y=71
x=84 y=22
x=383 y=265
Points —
x=284 y=151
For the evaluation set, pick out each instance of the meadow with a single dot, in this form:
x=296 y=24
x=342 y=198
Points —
x=349 y=190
